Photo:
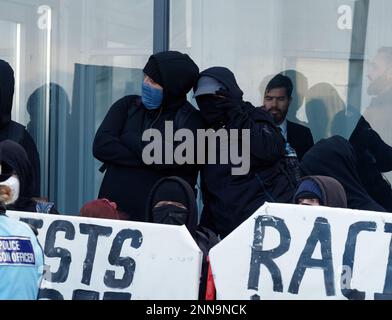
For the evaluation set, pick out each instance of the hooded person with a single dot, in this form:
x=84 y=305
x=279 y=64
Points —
x=229 y=199
x=326 y=191
x=172 y=201
x=372 y=136
x=374 y=159
x=11 y=130
x=128 y=180
x=336 y=158
x=17 y=180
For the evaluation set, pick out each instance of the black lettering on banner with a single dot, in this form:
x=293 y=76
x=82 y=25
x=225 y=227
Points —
x=348 y=258
x=266 y=257
x=85 y=295
x=387 y=292
x=127 y=263
x=117 y=296
x=55 y=252
x=93 y=232
x=321 y=233
x=49 y=294
x=36 y=223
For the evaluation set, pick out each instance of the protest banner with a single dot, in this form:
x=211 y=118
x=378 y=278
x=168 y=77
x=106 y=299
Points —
x=306 y=252
x=99 y=259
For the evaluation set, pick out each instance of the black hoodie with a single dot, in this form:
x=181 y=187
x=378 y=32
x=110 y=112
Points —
x=187 y=194
x=336 y=158
x=118 y=141
x=374 y=158
x=12 y=130
x=205 y=238
x=15 y=157
x=229 y=199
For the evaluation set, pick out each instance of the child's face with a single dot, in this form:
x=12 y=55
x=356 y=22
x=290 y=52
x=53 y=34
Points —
x=309 y=202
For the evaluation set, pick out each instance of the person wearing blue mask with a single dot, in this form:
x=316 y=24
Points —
x=168 y=77
x=152 y=93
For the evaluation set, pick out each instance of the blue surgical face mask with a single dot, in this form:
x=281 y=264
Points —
x=151 y=97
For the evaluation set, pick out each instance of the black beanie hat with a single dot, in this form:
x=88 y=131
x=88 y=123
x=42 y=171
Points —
x=309 y=189
x=170 y=191
x=152 y=70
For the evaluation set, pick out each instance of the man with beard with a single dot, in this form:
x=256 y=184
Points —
x=277 y=99
x=374 y=152
x=380 y=89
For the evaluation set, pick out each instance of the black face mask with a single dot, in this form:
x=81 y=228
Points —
x=211 y=114
x=170 y=214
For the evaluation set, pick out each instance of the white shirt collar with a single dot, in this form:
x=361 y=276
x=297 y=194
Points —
x=283 y=128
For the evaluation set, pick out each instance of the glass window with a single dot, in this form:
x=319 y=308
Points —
x=73 y=59
x=337 y=52
x=258 y=39
x=377 y=77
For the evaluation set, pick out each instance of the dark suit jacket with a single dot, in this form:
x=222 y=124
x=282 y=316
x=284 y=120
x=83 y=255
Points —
x=300 y=138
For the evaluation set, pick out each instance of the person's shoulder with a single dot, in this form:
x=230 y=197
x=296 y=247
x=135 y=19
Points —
x=258 y=113
x=18 y=228
x=129 y=101
x=187 y=114
x=187 y=107
x=16 y=124
x=297 y=127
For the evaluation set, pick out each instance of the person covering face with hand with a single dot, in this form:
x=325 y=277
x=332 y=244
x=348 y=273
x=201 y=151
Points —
x=230 y=199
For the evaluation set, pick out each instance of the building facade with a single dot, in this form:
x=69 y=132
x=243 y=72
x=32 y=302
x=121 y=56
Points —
x=73 y=59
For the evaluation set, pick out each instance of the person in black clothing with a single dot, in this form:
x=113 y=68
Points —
x=12 y=130
x=374 y=158
x=300 y=89
x=335 y=157
x=172 y=201
x=169 y=76
x=230 y=199
x=277 y=99
x=17 y=181
x=372 y=136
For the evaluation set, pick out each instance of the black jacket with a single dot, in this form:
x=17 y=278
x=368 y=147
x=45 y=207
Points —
x=231 y=199
x=300 y=138
x=335 y=157
x=11 y=130
x=13 y=155
x=118 y=141
x=374 y=157
x=205 y=238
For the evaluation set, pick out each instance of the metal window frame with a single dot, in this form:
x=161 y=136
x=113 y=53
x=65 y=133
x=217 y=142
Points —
x=161 y=25
x=357 y=59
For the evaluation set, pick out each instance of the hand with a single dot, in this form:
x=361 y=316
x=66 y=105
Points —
x=226 y=101
x=223 y=93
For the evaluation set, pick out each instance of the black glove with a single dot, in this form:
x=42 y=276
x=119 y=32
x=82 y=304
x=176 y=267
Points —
x=226 y=102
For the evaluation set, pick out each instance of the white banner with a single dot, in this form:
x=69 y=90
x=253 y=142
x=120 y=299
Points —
x=108 y=259
x=306 y=252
